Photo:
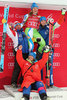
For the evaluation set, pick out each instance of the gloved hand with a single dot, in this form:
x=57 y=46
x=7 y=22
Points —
x=20 y=47
x=63 y=10
x=46 y=48
x=50 y=20
x=3 y=21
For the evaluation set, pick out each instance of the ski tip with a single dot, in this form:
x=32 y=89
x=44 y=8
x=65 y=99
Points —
x=6 y=6
x=51 y=20
x=64 y=9
x=48 y=98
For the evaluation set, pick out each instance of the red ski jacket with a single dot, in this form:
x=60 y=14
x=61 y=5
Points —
x=34 y=73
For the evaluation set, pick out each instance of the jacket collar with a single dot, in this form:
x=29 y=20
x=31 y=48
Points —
x=31 y=61
x=42 y=27
x=20 y=30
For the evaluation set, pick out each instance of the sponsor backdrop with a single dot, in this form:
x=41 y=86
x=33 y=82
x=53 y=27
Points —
x=59 y=63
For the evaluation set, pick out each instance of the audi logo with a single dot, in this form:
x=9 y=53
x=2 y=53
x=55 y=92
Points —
x=56 y=35
x=56 y=45
x=11 y=64
x=10 y=44
x=10 y=54
x=56 y=54
x=56 y=63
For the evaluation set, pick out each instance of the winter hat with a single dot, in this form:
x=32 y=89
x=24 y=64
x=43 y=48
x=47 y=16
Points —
x=34 y=5
x=42 y=18
x=32 y=54
x=16 y=23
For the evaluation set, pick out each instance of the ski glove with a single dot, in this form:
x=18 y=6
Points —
x=46 y=49
x=63 y=11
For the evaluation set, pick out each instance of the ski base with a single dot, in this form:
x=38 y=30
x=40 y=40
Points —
x=6 y=12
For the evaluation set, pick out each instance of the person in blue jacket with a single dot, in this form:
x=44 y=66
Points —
x=22 y=40
x=44 y=31
x=19 y=38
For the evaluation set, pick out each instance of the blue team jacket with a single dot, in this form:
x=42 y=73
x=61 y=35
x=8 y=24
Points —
x=22 y=40
x=44 y=31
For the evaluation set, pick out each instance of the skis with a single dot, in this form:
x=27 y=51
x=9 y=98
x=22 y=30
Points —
x=6 y=12
x=49 y=63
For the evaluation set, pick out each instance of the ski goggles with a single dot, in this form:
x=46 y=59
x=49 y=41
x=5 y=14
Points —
x=16 y=24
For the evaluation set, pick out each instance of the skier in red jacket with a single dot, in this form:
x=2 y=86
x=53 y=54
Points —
x=31 y=73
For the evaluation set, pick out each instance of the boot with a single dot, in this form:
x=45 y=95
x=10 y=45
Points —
x=45 y=98
x=14 y=85
x=24 y=98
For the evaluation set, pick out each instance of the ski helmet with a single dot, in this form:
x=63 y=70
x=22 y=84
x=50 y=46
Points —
x=34 y=5
x=42 y=18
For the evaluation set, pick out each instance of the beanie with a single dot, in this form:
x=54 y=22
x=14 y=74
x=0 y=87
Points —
x=32 y=54
x=34 y=5
x=42 y=18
